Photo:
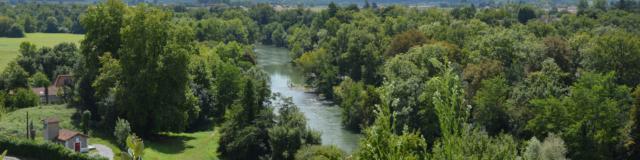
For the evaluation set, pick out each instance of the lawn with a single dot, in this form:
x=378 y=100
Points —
x=178 y=146
x=9 y=46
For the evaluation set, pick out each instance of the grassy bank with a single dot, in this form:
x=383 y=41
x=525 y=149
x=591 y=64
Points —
x=9 y=46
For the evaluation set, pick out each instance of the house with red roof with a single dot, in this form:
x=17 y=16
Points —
x=73 y=140
x=55 y=91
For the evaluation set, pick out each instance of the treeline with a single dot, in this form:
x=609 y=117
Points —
x=33 y=17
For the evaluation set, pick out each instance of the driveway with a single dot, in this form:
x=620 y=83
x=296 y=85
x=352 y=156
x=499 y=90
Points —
x=10 y=158
x=104 y=151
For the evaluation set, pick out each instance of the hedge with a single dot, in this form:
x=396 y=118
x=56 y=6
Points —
x=32 y=150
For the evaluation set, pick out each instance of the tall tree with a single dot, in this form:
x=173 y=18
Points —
x=154 y=82
x=103 y=24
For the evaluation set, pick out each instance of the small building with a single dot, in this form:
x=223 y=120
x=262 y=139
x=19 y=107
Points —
x=56 y=90
x=73 y=140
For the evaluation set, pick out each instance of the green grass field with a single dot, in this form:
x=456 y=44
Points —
x=168 y=146
x=9 y=46
x=178 y=146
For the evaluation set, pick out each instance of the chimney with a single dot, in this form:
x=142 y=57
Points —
x=51 y=128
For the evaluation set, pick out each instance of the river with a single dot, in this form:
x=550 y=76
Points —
x=322 y=116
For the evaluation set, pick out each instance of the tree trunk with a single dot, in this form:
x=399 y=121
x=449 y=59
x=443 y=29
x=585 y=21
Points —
x=46 y=94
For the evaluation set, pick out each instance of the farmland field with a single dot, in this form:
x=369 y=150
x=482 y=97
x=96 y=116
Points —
x=9 y=46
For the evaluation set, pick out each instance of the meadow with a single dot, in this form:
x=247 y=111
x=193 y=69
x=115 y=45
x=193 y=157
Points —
x=9 y=46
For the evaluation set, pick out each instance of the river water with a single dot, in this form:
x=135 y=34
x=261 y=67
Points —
x=322 y=116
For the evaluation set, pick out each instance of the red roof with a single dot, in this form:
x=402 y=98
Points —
x=65 y=134
x=61 y=80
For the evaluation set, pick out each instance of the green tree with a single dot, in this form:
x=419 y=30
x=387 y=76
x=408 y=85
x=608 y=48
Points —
x=121 y=131
x=41 y=80
x=490 y=105
x=380 y=141
x=15 y=76
x=525 y=14
x=22 y=98
x=402 y=42
x=615 y=51
x=102 y=24
x=51 y=25
x=245 y=134
x=157 y=53
x=319 y=64
x=586 y=116
x=15 y=31
x=552 y=148
x=86 y=119
x=290 y=131
x=357 y=102
x=30 y=25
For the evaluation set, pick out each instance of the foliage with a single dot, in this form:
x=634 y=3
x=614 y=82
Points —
x=402 y=42
x=290 y=131
x=15 y=77
x=380 y=141
x=595 y=103
x=317 y=152
x=103 y=24
x=245 y=134
x=156 y=52
x=323 y=75
x=552 y=148
x=33 y=150
x=135 y=147
x=632 y=139
x=525 y=14
x=15 y=31
x=85 y=121
x=41 y=80
x=22 y=98
x=357 y=102
x=616 y=51
x=490 y=105
x=122 y=131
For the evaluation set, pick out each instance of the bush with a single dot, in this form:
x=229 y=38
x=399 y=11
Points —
x=122 y=130
x=320 y=152
x=552 y=148
x=15 y=31
x=22 y=98
x=86 y=118
x=32 y=150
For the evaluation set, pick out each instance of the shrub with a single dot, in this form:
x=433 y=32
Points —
x=320 y=152
x=122 y=130
x=86 y=118
x=552 y=148
x=22 y=98
x=31 y=150
x=15 y=31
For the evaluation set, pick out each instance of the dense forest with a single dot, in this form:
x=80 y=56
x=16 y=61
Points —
x=508 y=82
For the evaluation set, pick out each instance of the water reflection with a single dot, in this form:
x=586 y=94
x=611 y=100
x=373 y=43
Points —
x=322 y=115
